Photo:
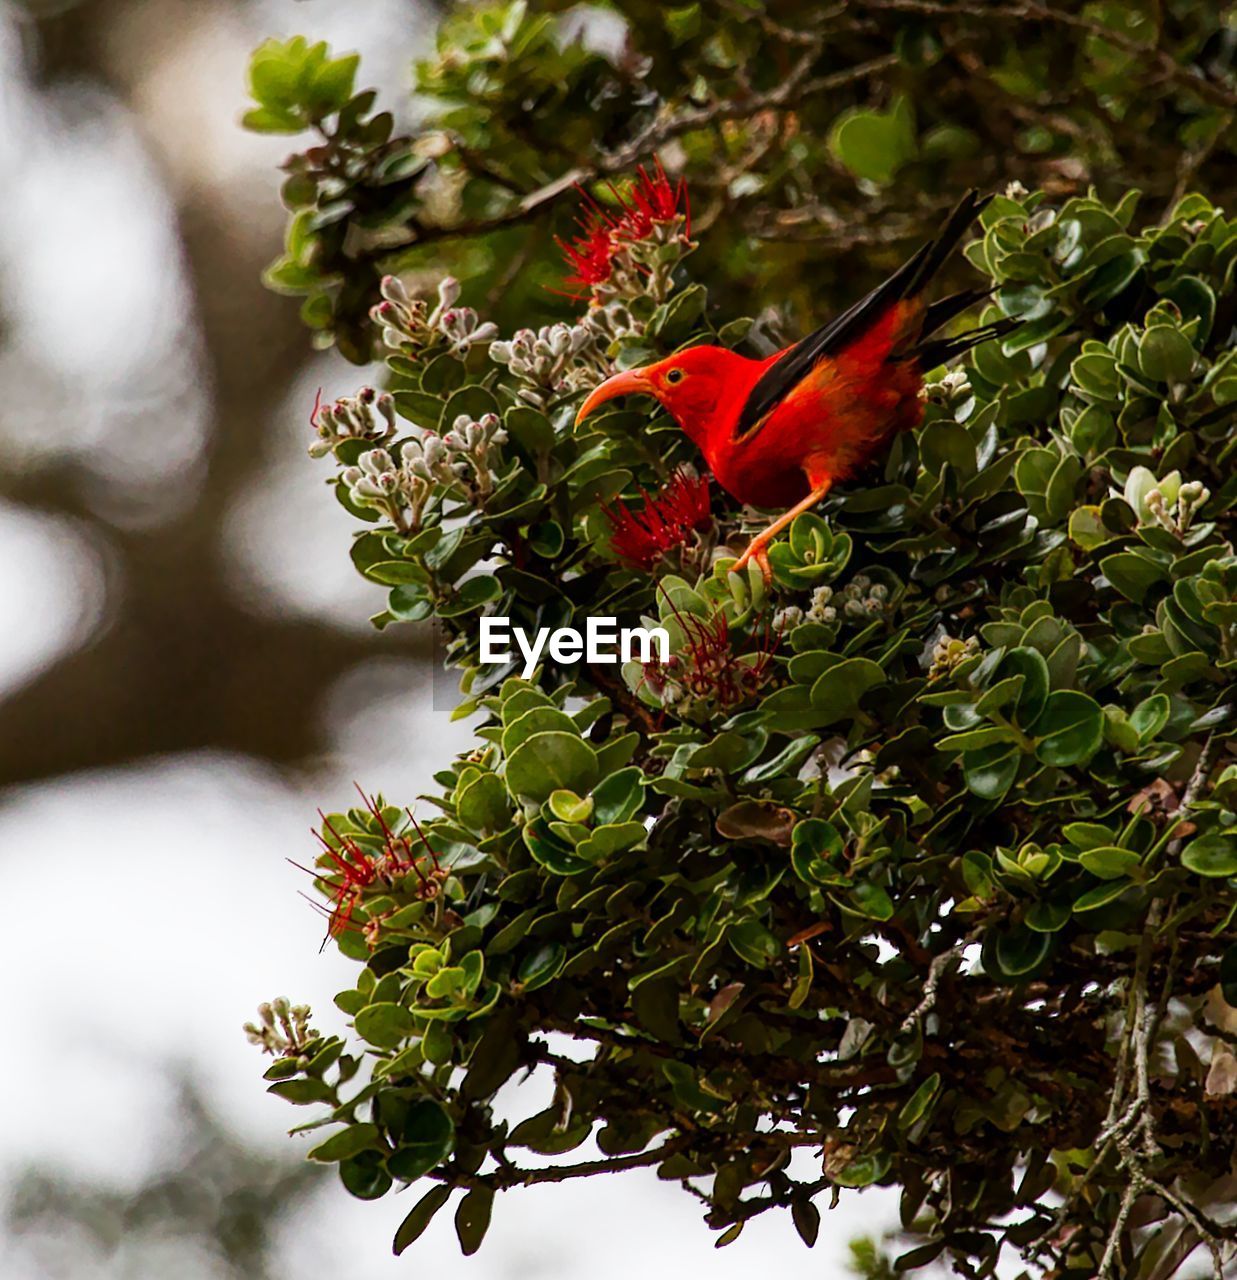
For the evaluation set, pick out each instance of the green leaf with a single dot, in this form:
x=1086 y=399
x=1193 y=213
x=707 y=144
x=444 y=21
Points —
x=816 y=852
x=1110 y=863
x=482 y=804
x=274 y=74
x=617 y=797
x=916 y=1106
x=527 y=713
x=550 y=761
x=675 y=320
x=790 y=757
x=1150 y=716
x=1101 y=895
x=425 y=1140
x=752 y=942
x=1048 y=917
x=331 y=85
x=364 y=1177
x=1016 y=953
x=472 y=1219
x=271 y=120
x=348 y=1142
x=1131 y=574
x=1165 y=354
x=397 y=573
x=384 y=1024
x=875 y=144
x=1087 y=835
x=1213 y=854
x=301 y=1092
x=872 y=901
x=566 y=806
x=612 y=838
x=1070 y=729
x=990 y=772
x=421 y=1215
x=837 y=692
x=864 y=1170
x=541 y=966
x=1032 y=666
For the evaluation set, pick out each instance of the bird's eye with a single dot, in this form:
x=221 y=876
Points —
x=674 y=375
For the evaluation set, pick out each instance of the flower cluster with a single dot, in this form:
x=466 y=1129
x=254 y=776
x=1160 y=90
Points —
x=621 y=252
x=950 y=389
x=408 y=328
x=706 y=674
x=860 y=600
x=544 y=361
x=470 y=451
x=467 y=455
x=377 y=481
x=666 y=521
x=352 y=869
x=283 y=1030
x=708 y=670
x=949 y=652
x=369 y=415
x=1169 y=502
x=610 y=322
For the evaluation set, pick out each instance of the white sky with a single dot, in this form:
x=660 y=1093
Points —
x=149 y=909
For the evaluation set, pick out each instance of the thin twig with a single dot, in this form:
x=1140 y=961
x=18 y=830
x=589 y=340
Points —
x=1031 y=10
x=936 y=971
x=1118 y=1230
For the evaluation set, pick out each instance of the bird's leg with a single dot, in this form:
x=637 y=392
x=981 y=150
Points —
x=756 y=548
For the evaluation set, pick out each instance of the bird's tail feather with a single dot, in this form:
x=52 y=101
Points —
x=939 y=350
x=932 y=257
x=939 y=314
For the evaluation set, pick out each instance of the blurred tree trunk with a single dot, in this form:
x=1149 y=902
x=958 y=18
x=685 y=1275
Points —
x=182 y=665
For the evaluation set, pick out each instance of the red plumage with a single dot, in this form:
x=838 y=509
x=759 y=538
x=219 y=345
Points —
x=780 y=432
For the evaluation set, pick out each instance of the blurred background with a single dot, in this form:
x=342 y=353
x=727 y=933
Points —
x=187 y=672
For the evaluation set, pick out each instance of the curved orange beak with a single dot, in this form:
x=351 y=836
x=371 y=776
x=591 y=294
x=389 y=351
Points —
x=629 y=382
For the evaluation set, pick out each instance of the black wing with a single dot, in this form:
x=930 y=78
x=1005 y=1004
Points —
x=910 y=278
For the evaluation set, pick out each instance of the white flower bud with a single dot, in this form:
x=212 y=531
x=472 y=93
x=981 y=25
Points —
x=392 y=289
x=448 y=291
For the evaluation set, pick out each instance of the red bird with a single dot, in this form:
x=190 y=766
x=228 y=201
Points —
x=781 y=432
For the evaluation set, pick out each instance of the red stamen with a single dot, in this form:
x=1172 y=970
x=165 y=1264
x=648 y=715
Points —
x=590 y=255
x=651 y=199
x=711 y=667
x=421 y=836
x=666 y=520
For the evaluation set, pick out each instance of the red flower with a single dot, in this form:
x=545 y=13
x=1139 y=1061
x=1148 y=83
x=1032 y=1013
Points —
x=714 y=669
x=709 y=667
x=666 y=520
x=591 y=253
x=653 y=198
x=358 y=870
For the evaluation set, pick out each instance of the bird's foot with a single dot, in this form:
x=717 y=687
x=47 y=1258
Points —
x=756 y=553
